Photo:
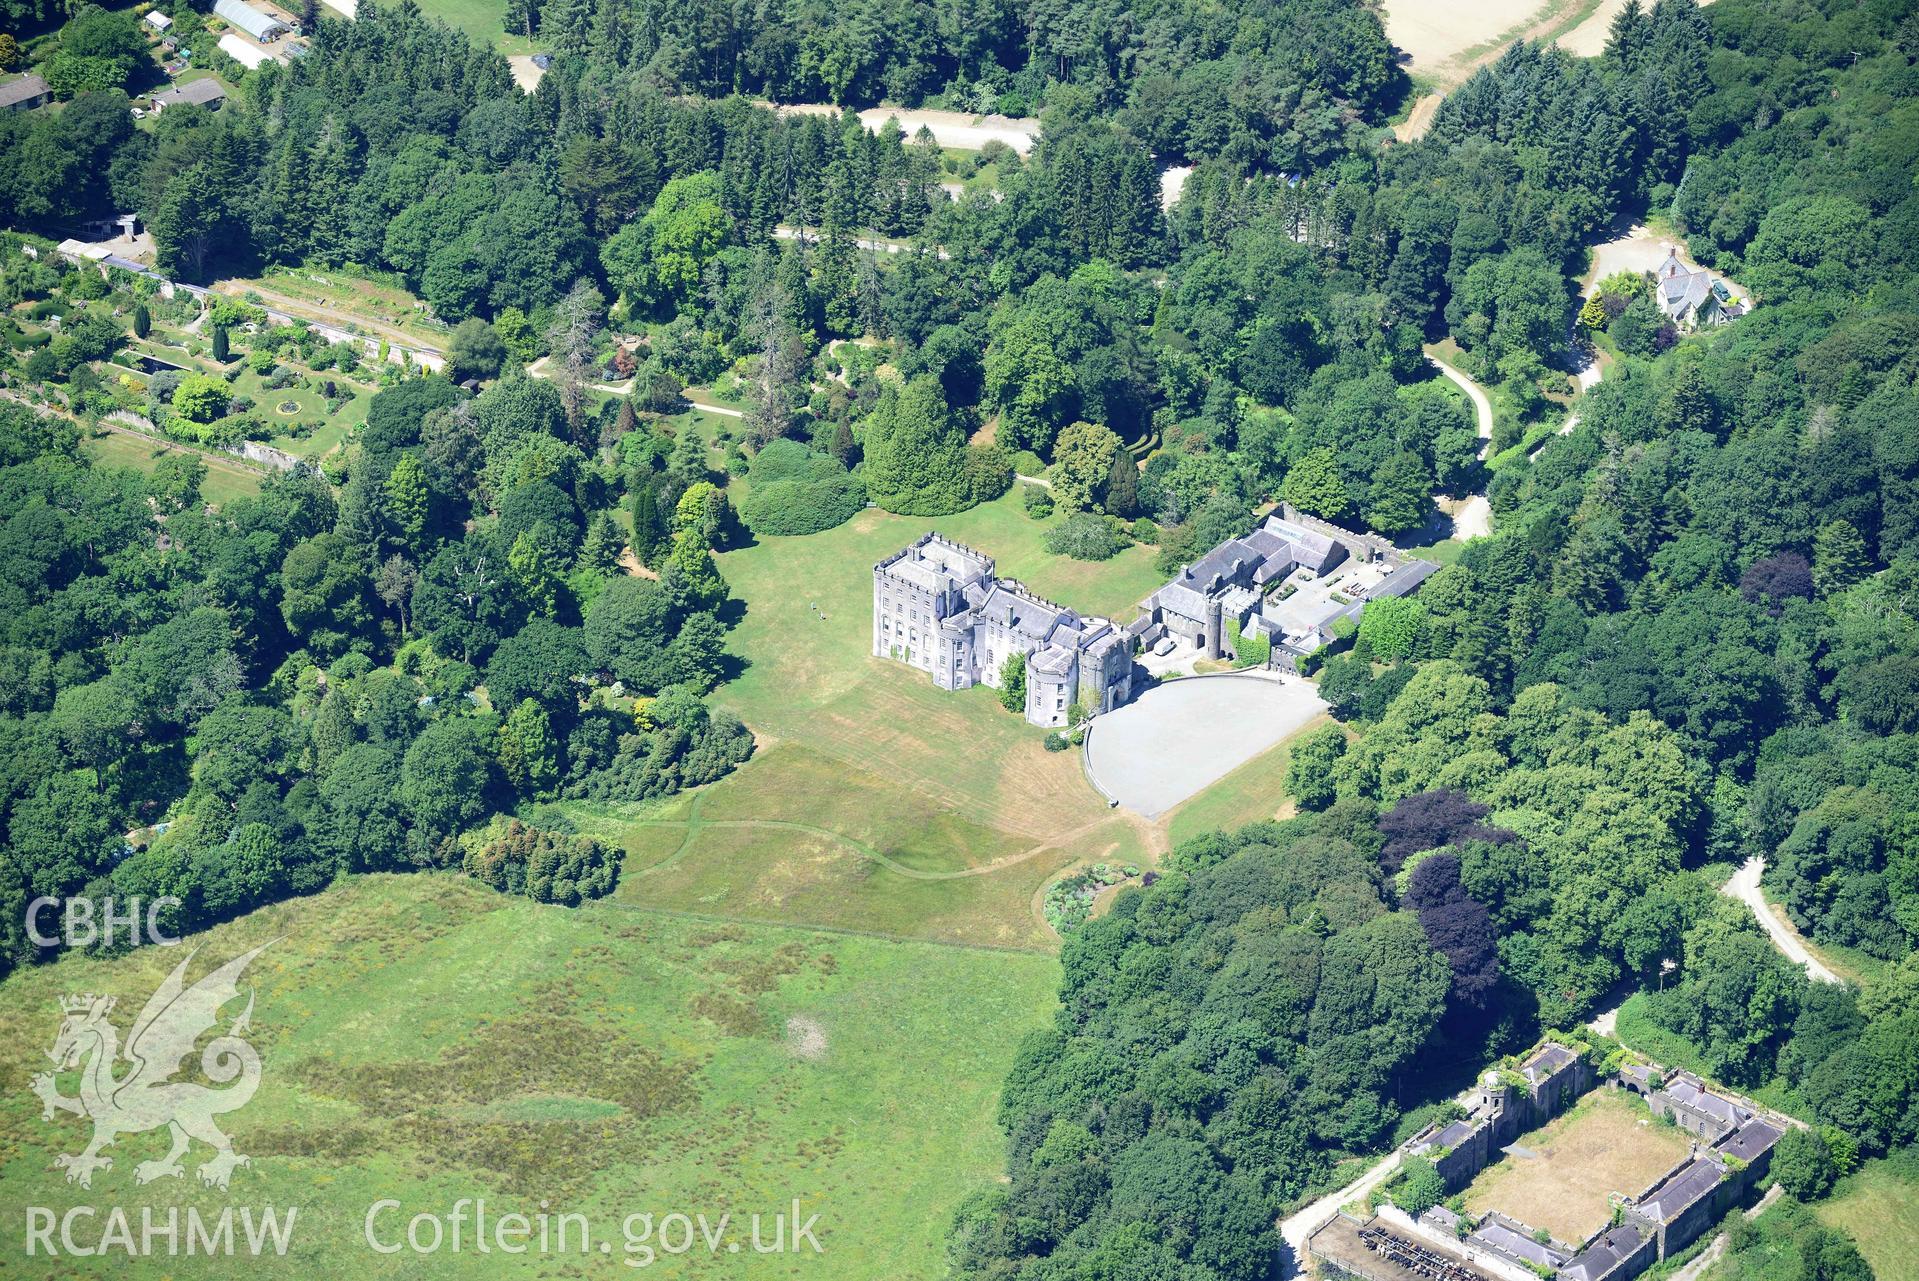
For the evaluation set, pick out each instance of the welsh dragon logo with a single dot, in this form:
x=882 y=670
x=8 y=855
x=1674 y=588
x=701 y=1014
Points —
x=146 y=1096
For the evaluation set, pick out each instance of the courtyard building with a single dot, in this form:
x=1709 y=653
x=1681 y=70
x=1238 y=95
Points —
x=1729 y=1144
x=1227 y=583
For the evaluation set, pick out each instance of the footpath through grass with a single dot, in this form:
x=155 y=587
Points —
x=426 y=1040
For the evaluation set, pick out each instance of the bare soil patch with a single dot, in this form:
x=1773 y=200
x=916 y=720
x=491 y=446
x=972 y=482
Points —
x=805 y=1038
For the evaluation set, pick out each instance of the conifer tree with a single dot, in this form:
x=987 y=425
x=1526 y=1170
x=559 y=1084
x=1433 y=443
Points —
x=915 y=452
x=1122 y=486
x=649 y=531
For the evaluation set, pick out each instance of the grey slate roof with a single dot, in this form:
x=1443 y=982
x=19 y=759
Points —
x=936 y=565
x=1182 y=600
x=1606 y=1252
x=1023 y=613
x=25 y=89
x=1268 y=552
x=1220 y=566
x=1274 y=567
x=196 y=92
x=1679 y=1193
x=1054 y=660
x=1550 y=1057
x=1681 y=289
x=1689 y=1092
x=1503 y=1240
x=921 y=575
x=1402 y=581
x=1310 y=547
x=1753 y=1140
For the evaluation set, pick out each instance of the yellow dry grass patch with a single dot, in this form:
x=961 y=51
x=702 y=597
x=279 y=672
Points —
x=1608 y=1143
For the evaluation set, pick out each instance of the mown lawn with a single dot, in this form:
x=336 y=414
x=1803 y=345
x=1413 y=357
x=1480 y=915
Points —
x=308 y=406
x=427 y=1040
x=877 y=802
x=483 y=20
x=811 y=679
x=224 y=481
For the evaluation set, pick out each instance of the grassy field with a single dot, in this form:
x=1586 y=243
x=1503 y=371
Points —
x=877 y=802
x=225 y=481
x=1879 y=1208
x=426 y=1040
x=483 y=20
x=1608 y=1143
x=863 y=856
x=811 y=679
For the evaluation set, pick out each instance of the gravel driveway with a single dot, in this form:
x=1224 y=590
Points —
x=1174 y=741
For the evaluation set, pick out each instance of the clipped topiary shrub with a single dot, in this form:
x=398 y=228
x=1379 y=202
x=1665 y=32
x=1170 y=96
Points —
x=796 y=491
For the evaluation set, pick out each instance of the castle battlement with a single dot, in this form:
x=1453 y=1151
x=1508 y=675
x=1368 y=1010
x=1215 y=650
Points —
x=938 y=606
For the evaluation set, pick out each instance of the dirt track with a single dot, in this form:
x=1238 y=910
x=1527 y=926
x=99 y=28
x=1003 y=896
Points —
x=949 y=128
x=1446 y=42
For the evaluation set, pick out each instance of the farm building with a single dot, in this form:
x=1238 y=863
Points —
x=158 y=21
x=257 y=23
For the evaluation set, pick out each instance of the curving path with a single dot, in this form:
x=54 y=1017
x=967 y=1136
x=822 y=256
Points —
x=1744 y=886
x=694 y=824
x=1473 y=515
x=1482 y=406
